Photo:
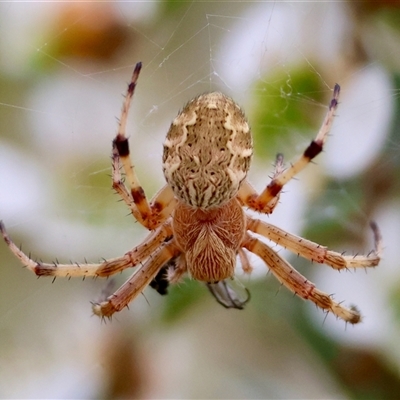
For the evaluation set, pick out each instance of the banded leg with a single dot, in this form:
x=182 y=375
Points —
x=267 y=200
x=149 y=215
x=136 y=283
x=314 y=251
x=104 y=269
x=297 y=283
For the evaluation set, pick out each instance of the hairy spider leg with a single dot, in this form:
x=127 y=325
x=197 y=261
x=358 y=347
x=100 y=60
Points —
x=160 y=207
x=297 y=283
x=104 y=269
x=267 y=200
x=314 y=251
x=137 y=282
x=244 y=260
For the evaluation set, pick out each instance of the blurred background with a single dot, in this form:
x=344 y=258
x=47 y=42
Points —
x=63 y=70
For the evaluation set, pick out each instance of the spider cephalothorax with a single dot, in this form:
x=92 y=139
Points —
x=197 y=221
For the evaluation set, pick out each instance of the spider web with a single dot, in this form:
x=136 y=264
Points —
x=58 y=113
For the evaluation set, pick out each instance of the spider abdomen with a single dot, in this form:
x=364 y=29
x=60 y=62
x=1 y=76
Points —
x=207 y=151
x=210 y=239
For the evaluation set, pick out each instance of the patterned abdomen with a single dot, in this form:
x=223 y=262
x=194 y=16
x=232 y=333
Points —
x=207 y=151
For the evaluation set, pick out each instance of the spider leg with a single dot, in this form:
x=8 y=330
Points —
x=246 y=266
x=137 y=282
x=163 y=203
x=297 y=283
x=104 y=269
x=246 y=190
x=315 y=252
x=149 y=215
x=267 y=200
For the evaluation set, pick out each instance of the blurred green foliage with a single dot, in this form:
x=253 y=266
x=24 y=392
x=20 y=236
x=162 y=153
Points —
x=282 y=109
x=181 y=298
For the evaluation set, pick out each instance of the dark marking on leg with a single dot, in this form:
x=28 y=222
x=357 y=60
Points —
x=157 y=207
x=274 y=188
x=44 y=270
x=122 y=145
x=138 y=195
x=135 y=76
x=313 y=150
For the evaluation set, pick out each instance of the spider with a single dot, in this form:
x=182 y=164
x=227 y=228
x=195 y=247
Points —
x=197 y=221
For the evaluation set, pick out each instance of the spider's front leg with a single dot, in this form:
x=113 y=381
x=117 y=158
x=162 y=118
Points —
x=268 y=199
x=149 y=215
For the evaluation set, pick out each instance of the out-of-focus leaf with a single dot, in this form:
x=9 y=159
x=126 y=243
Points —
x=170 y=7
x=86 y=31
x=365 y=374
x=180 y=298
x=395 y=301
x=333 y=211
x=284 y=106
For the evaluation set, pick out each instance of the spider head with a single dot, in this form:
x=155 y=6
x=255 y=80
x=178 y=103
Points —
x=207 y=151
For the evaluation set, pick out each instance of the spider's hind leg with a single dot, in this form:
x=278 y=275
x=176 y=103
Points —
x=137 y=282
x=297 y=283
x=104 y=269
x=314 y=251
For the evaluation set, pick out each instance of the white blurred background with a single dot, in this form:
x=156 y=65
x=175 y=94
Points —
x=63 y=70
